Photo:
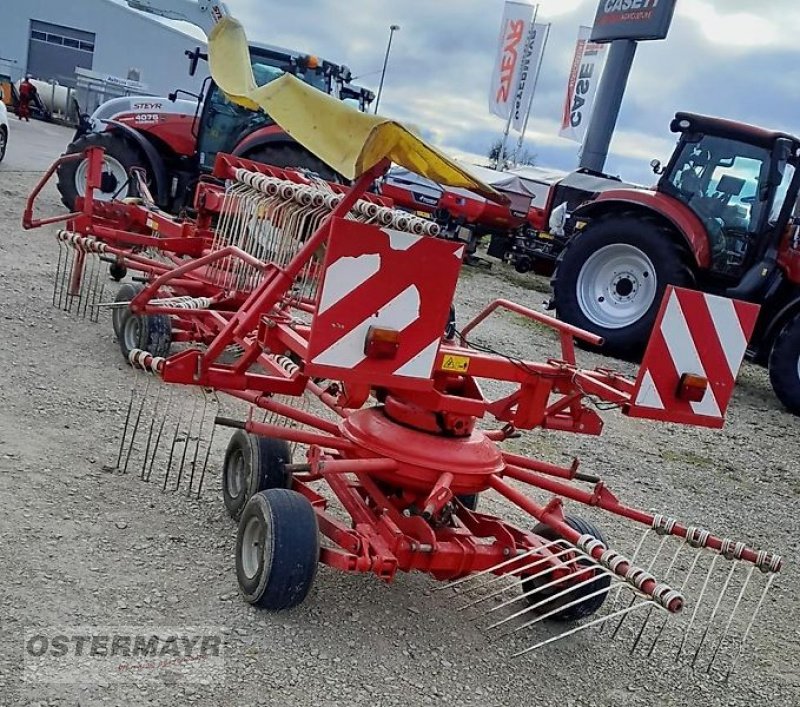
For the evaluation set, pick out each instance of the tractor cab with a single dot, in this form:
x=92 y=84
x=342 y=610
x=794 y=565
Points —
x=736 y=179
x=224 y=124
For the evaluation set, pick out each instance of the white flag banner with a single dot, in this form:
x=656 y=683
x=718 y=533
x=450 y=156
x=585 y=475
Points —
x=528 y=73
x=517 y=21
x=587 y=65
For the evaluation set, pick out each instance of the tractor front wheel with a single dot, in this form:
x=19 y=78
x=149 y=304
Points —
x=277 y=549
x=253 y=464
x=611 y=278
x=119 y=158
x=784 y=366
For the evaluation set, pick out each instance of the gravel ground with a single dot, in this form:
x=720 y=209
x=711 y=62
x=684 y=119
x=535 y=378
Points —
x=82 y=546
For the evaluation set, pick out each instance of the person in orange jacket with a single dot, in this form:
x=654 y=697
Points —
x=27 y=94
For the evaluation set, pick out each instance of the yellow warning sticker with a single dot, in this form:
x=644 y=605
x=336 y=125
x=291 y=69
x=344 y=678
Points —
x=459 y=364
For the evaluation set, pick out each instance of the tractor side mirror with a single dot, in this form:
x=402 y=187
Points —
x=781 y=153
x=657 y=167
x=194 y=58
x=172 y=97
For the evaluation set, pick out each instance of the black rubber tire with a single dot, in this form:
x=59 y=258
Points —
x=264 y=461
x=152 y=332
x=3 y=141
x=586 y=608
x=115 y=145
x=124 y=294
x=784 y=366
x=662 y=247
x=290 y=156
x=284 y=528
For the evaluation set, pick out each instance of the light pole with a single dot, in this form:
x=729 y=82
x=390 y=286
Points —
x=392 y=30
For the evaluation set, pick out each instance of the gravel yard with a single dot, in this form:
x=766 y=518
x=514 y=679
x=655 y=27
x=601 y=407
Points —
x=84 y=546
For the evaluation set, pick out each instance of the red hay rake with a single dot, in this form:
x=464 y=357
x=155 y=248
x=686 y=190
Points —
x=323 y=311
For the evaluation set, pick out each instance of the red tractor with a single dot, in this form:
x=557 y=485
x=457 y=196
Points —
x=176 y=141
x=723 y=218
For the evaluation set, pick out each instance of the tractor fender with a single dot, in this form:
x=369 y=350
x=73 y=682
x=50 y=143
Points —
x=652 y=203
x=771 y=330
x=263 y=137
x=156 y=163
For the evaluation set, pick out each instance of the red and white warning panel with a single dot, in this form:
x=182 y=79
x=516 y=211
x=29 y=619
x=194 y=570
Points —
x=383 y=305
x=693 y=357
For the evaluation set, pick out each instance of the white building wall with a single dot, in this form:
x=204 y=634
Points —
x=124 y=39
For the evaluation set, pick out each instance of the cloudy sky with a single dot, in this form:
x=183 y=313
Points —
x=735 y=58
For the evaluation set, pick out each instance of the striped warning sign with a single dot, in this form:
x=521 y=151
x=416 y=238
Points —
x=381 y=278
x=695 y=334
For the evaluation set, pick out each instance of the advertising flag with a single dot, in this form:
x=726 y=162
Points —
x=514 y=30
x=587 y=65
x=528 y=73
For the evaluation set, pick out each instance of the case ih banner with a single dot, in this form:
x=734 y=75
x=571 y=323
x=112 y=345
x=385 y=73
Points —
x=519 y=55
x=632 y=19
x=587 y=65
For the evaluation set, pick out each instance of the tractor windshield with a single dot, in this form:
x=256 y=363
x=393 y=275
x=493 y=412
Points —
x=722 y=180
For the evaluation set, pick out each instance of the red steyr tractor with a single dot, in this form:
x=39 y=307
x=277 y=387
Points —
x=723 y=218
x=176 y=141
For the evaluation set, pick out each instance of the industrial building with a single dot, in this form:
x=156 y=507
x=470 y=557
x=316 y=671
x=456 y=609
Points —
x=94 y=48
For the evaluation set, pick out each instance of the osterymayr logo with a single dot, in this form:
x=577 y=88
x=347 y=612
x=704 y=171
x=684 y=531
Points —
x=104 y=654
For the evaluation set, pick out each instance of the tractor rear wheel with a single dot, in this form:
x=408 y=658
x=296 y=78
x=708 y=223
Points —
x=120 y=156
x=602 y=582
x=294 y=156
x=253 y=464
x=611 y=278
x=277 y=549
x=784 y=366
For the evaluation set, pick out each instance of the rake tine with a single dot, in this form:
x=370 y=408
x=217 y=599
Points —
x=553 y=612
x=150 y=433
x=69 y=258
x=634 y=557
x=61 y=247
x=197 y=446
x=99 y=289
x=505 y=576
x=77 y=266
x=730 y=618
x=649 y=568
x=482 y=573
x=683 y=586
x=86 y=284
x=125 y=427
x=158 y=436
x=749 y=628
x=172 y=448
x=208 y=453
x=581 y=627
x=136 y=426
x=186 y=443
x=557 y=595
x=711 y=566
x=717 y=604
x=535 y=590
x=666 y=576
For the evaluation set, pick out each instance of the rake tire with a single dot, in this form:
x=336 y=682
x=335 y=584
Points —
x=149 y=332
x=253 y=464
x=585 y=608
x=277 y=549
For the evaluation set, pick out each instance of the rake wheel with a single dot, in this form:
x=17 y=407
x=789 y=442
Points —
x=253 y=464
x=151 y=333
x=585 y=608
x=277 y=549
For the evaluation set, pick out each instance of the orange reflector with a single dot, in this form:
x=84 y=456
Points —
x=692 y=387
x=381 y=343
x=312 y=62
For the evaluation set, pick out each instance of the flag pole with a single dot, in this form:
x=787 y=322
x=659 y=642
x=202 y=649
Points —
x=533 y=93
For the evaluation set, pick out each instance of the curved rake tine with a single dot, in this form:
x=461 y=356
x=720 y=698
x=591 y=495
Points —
x=125 y=427
x=136 y=425
x=553 y=612
x=208 y=452
x=186 y=443
x=711 y=566
x=507 y=576
x=717 y=604
x=167 y=410
x=557 y=595
x=150 y=433
x=61 y=256
x=172 y=448
x=582 y=627
x=730 y=618
x=650 y=566
x=634 y=557
x=490 y=570
x=749 y=628
x=197 y=446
